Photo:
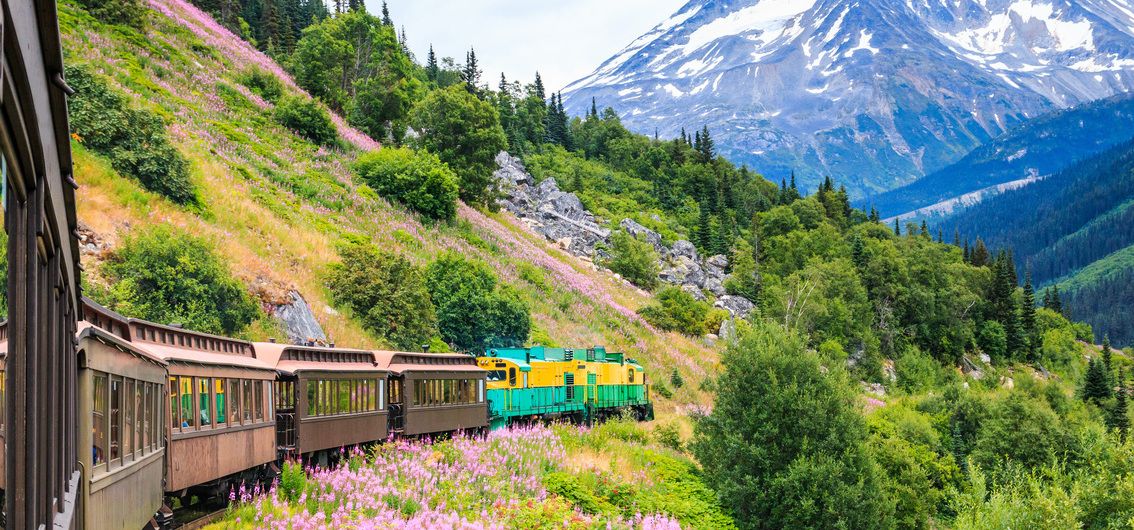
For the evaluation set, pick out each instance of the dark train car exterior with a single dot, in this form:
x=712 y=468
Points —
x=218 y=405
x=121 y=428
x=41 y=456
x=325 y=398
x=432 y=393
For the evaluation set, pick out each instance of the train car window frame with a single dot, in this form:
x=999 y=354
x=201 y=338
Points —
x=128 y=419
x=188 y=403
x=3 y=397
x=480 y=387
x=249 y=401
x=234 y=403
x=115 y=431
x=147 y=416
x=258 y=397
x=511 y=377
x=100 y=389
x=312 y=391
x=220 y=396
x=202 y=390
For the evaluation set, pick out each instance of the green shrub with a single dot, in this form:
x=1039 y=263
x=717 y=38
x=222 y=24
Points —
x=262 y=83
x=417 y=179
x=128 y=12
x=386 y=293
x=993 y=340
x=661 y=389
x=634 y=259
x=676 y=380
x=473 y=311
x=676 y=310
x=293 y=481
x=916 y=371
x=567 y=486
x=166 y=276
x=307 y=118
x=134 y=140
x=745 y=278
x=666 y=435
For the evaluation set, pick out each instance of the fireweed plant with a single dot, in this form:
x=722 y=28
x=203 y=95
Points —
x=491 y=482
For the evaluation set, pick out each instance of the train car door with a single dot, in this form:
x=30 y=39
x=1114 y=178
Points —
x=396 y=411
x=285 y=417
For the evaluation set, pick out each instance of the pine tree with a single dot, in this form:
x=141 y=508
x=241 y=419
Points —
x=874 y=216
x=704 y=233
x=858 y=252
x=957 y=238
x=386 y=21
x=980 y=254
x=1120 y=417
x=722 y=236
x=897 y=227
x=707 y=149
x=1106 y=358
x=471 y=72
x=432 y=71
x=594 y=111
x=1047 y=297
x=564 y=125
x=1095 y=387
x=966 y=254
x=1028 y=319
x=924 y=229
x=539 y=91
x=1056 y=303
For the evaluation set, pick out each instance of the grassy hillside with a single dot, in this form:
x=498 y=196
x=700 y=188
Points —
x=274 y=205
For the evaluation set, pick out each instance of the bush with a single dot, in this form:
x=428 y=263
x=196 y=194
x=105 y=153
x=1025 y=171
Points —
x=993 y=340
x=465 y=133
x=262 y=83
x=134 y=140
x=661 y=389
x=386 y=292
x=170 y=277
x=634 y=259
x=917 y=371
x=784 y=445
x=676 y=380
x=473 y=312
x=307 y=118
x=666 y=435
x=418 y=180
x=128 y=12
x=745 y=278
x=677 y=310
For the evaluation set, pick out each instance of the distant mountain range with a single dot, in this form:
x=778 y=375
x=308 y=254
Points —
x=875 y=93
x=1030 y=151
x=1074 y=228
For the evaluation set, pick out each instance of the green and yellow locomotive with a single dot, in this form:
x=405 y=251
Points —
x=579 y=385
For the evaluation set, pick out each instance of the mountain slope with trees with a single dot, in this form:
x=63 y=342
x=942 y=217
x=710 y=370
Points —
x=1066 y=230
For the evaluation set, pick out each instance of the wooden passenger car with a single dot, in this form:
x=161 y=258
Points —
x=121 y=423
x=221 y=428
x=325 y=398
x=433 y=393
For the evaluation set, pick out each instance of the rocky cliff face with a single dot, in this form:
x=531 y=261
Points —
x=560 y=217
x=875 y=92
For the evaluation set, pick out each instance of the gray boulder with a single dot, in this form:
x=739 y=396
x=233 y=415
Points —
x=696 y=293
x=713 y=285
x=299 y=321
x=715 y=266
x=649 y=236
x=683 y=248
x=737 y=306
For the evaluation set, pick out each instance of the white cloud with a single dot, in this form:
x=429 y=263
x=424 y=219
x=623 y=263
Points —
x=564 y=40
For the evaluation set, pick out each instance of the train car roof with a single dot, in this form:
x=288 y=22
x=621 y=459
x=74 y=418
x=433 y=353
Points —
x=88 y=330
x=174 y=344
x=290 y=358
x=399 y=362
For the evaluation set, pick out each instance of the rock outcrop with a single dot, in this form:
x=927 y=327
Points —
x=556 y=214
x=299 y=321
x=560 y=217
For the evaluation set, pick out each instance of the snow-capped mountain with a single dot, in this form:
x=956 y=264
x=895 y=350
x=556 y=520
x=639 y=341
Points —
x=872 y=92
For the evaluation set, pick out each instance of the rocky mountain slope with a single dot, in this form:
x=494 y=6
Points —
x=274 y=204
x=874 y=93
x=1036 y=149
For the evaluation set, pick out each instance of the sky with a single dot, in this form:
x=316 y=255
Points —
x=563 y=39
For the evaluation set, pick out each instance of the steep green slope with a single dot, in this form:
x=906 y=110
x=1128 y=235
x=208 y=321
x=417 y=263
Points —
x=274 y=205
x=1075 y=225
x=1038 y=147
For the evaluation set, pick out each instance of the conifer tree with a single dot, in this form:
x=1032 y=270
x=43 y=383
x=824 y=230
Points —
x=1106 y=357
x=707 y=149
x=704 y=233
x=386 y=21
x=897 y=227
x=980 y=254
x=858 y=252
x=957 y=238
x=432 y=71
x=539 y=91
x=1056 y=303
x=924 y=229
x=1028 y=319
x=1095 y=386
x=1047 y=297
x=594 y=111
x=874 y=217
x=564 y=125
x=471 y=72
x=966 y=254
x=1120 y=417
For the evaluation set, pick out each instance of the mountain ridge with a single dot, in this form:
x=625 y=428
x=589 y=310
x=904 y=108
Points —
x=874 y=94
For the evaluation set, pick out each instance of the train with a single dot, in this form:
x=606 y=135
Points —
x=171 y=415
